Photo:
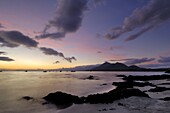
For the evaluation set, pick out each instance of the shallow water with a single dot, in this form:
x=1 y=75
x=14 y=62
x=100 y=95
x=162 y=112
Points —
x=15 y=84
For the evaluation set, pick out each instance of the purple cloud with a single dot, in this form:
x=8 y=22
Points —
x=15 y=38
x=134 y=61
x=6 y=59
x=50 y=51
x=56 y=62
x=145 y=18
x=68 y=19
x=164 y=60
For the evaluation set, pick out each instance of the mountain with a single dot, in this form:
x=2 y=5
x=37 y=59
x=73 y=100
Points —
x=116 y=67
x=79 y=68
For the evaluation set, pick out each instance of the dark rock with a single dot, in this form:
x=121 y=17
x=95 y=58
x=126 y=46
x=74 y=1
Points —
x=158 y=89
x=60 y=98
x=27 y=98
x=104 y=84
x=146 y=78
x=112 y=109
x=121 y=76
x=164 y=84
x=165 y=99
x=113 y=95
x=44 y=103
x=64 y=99
x=120 y=104
x=90 y=77
x=168 y=71
x=131 y=84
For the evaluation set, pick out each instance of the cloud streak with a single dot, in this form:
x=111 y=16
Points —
x=57 y=35
x=134 y=61
x=164 y=59
x=2 y=53
x=15 y=38
x=6 y=59
x=56 y=62
x=144 y=19
x=50 y=51
x=68 y=18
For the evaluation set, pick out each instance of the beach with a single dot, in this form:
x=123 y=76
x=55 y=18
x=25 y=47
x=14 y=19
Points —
x=15 y=85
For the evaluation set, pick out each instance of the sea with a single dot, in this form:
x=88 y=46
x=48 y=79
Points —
x=16 y=84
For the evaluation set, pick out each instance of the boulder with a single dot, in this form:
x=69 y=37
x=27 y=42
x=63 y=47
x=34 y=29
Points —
x=60 y=98
x=27 y=98
x=165 y=99
x=168 y=71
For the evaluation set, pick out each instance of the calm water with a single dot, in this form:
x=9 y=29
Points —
x=14 y=85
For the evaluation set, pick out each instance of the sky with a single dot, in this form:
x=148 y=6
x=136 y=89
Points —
x=50 y=34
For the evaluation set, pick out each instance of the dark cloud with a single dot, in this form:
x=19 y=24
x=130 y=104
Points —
x=56 y=62
x=69 y=59
x=15 y=39
x=2 y=53
x=50 y=51
x=6 y=59
x=138 y=61
x=58 y=35
x=164 y=60
x=134 y=36
x=161 y=62
x=68 y=18
x=143 y=19
x=134 y=61
x=156 y=65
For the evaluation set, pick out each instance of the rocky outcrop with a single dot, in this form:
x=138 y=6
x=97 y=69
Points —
x=60 y=98
x=146 y=78
x=131 y=84
x=113 y=95
x=27 y=98
x=165 y=99
x=168 y=71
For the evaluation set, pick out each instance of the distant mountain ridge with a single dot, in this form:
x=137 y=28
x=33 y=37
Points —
x=106 y=66
x=116 y=67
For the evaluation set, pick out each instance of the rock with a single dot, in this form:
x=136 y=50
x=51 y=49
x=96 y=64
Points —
x=146 y=78
x=121 y=76
x=113 y=95
x=112 y=109
x=90 y=77
x=104 y=84
x=120 y=104
x=60 y=98
x=159 y=89
x=168 y=71
x=27 y=98
x=164 y=84
x=165 y=99
x=131 y=84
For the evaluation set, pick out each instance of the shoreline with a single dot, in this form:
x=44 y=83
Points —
x=144 y=84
